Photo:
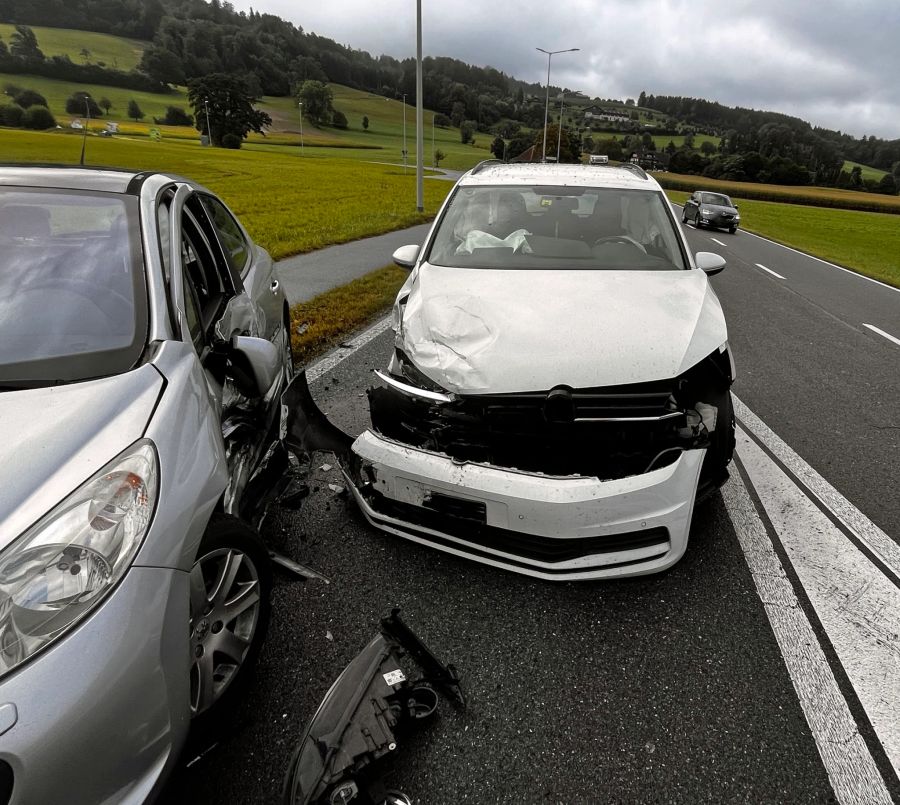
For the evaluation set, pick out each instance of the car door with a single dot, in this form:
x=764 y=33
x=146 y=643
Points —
x=251 y=266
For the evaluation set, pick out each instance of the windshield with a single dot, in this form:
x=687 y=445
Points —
x=72 y=297
x=557 y=227
x=716 y=199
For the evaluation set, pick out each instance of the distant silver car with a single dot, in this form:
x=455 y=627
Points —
x=144 y=348
x=711 y=209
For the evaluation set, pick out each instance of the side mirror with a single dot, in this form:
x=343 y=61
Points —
x=709 y=262
x=405 y=256
x=253 y=365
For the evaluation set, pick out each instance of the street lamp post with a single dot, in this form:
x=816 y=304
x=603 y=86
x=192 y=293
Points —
x=404 y=132
x=562 y=99
x=420 y=111
x=300 y=107
x=208 y=127
x=550 y=54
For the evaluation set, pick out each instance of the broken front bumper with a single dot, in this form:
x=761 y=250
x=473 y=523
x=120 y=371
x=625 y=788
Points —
x=558 y=528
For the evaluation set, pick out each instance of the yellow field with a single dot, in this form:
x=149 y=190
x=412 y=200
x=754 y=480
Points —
x=289 y=203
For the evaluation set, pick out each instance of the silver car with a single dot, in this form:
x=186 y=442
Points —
x=144 y=349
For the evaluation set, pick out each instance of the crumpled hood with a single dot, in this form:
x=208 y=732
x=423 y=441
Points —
x=53 y=439
x=492 y=331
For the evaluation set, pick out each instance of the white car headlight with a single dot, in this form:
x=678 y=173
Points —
x=63 y=566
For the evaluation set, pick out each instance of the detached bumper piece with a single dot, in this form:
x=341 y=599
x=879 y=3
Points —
x=355 y=730
x=555 y=528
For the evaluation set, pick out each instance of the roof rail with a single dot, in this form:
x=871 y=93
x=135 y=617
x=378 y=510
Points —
x=637 y=170
x=484 y=163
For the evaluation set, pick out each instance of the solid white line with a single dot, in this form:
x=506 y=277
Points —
x=719 y=242
x=851 y=770
x=773 y=273
x=325 y=364
x=888 y=336
x=857 y=605
x=865 y=530
x=817 y=259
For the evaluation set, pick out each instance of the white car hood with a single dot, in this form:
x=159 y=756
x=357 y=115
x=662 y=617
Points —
x=492 y=331
x=53 y=439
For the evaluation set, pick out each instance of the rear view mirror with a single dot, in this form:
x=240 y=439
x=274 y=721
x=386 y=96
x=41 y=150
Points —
x=253 y=365
x=709 y=262
x=406 y=256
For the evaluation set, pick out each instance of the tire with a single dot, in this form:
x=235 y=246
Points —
x=226 y=639
x=683 y=215
x=697 y=221
x=732 y=229
x=288 y=349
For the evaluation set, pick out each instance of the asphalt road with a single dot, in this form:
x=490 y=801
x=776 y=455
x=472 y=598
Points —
x=683 y=687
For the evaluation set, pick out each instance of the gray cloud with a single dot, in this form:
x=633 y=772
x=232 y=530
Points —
x=833 y=63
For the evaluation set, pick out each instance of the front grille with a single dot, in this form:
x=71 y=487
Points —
x=542 y=549
x=606 y=433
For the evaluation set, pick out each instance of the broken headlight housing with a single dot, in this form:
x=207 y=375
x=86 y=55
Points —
x=60 y=570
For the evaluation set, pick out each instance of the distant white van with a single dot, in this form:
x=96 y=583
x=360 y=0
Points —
x=599 y=159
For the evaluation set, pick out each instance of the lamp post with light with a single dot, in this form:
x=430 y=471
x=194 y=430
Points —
x=300 y=107
x=550 y=54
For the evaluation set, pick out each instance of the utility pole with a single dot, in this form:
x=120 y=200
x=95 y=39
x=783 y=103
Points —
x=405 y=152
x=208 y=127
x=432 y=141
x=87 y=112
x=420 y=194
x=300 y=107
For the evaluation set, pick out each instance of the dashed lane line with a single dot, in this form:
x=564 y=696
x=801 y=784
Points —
x=773 y=273
x=878 y=330
x=716 y=240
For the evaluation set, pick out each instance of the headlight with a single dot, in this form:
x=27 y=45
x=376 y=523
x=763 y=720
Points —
x=62 y=567
x=706 y=212
x=737 y=217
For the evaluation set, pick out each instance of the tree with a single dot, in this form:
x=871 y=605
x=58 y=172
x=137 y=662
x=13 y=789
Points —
x=4 y=51
x=707 y=148
x=498 y=148
x=38 y=118
x=466 y=132
x=438 y=156
x=106 y=103
x=225 y=102
x=316 y=97
x=442 y=121
x=176 y=116
x=28 y=97
x=85 y=54
x=856 y=177
x=23 y=44
x=81 y=103
x=888 y=185
x=11 y=115
x=338 y=119
x=134 y=111
x=569 y=145
x=365 y=122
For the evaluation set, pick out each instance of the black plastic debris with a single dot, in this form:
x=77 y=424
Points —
x=355 y=731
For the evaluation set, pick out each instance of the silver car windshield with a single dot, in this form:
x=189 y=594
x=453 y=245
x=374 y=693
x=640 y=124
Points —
x=557 y=227
x=72 y=294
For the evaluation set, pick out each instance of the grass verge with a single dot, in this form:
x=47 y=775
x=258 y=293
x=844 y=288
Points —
x=866 y=242
x=325 y=320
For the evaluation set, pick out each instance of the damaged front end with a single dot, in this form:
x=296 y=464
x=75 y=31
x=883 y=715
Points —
x=371 y=705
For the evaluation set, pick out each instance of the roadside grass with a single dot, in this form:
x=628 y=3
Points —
x=116 y=52
x=324 y=321
x=867 y=172
x=289 y=204
x=811 y=196
x=866 y=242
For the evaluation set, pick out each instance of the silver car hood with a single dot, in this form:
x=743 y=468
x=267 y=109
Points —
x=53 y=439
x=492 y=331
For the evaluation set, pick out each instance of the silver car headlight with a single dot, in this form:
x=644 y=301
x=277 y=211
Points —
x=706 y=212
x=63 y=566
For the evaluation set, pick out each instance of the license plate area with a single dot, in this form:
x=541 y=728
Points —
x=473 y=510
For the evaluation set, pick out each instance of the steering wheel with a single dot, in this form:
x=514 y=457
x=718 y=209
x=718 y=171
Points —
x=625 y=239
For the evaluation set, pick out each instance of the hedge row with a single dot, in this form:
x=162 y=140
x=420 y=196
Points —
x=809 y=196
x=61 y=67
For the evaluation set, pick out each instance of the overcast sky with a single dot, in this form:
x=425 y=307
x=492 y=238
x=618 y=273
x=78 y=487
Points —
x=835 y=63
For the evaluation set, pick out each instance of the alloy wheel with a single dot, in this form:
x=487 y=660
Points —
x=225 y=606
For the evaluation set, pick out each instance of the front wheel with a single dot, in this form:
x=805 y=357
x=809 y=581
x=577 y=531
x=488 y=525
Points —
x=229 y=612
x=683 y=216
x=697 y=221
x=732 y=229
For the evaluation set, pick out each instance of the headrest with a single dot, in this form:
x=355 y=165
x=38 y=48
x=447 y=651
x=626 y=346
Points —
x=24 y=221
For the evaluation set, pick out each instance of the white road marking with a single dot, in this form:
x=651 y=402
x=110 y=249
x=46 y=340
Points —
x=714 y=240
x=851 y=769
x=773 y=273
x=888 y=336
x=328 y=362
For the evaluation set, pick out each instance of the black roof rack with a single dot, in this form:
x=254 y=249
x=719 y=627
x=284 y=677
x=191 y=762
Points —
x=637 y=170
x=484 y=163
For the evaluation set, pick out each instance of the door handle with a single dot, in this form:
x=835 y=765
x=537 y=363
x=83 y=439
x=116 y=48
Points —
x=274 y=286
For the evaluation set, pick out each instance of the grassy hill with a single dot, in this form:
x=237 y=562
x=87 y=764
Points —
x=866 y=172
x=113 y=51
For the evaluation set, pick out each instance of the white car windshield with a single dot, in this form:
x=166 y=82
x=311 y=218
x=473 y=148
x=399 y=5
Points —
x=72 y=294
x=557 y=227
